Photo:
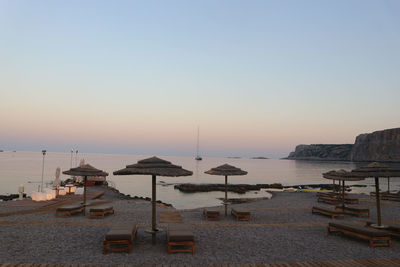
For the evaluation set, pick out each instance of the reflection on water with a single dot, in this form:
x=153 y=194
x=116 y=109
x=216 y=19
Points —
x=21 y=167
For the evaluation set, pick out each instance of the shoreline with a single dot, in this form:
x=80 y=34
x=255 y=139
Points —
x=204 y=188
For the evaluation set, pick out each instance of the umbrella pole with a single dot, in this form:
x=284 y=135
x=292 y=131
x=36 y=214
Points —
x=153 y=210
x=378 y=201
x=226 y=195
x=84 y=195
x=343 y=195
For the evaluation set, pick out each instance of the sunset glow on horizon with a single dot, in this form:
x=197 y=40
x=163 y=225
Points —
x=138 y=77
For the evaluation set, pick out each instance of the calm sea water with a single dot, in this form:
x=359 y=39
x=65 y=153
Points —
x=26 y=168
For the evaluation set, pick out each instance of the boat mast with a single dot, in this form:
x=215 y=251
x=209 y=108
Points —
x=198 y=133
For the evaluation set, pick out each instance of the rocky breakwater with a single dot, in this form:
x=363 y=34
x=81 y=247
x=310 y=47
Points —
x=377 y=146
x=322 y=152
x=237 y=188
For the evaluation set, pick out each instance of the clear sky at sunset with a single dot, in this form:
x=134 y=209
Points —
x=258 y=77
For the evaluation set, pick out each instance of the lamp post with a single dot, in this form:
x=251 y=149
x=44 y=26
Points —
x=44 y=153
x=76 y=158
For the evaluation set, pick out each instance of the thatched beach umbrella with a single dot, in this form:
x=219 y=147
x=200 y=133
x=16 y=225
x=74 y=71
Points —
x=342 y=176
x=155 y=167
x=85 y=171
x=377 y=170
x=226 y=170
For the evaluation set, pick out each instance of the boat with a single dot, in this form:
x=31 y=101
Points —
x=197 y=154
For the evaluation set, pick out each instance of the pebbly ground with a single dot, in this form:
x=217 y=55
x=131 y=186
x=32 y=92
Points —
x=282 y=229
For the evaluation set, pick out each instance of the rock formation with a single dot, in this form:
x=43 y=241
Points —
x=377 y=146
x=381 y=146
x=322 y=152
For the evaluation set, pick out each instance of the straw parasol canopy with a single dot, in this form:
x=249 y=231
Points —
x=226 y=170
x=377 y=170
x=155 y=167
x=343 y=176
x=85 y=171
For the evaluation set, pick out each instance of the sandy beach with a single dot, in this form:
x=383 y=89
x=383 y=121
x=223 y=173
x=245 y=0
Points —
x=282 y=229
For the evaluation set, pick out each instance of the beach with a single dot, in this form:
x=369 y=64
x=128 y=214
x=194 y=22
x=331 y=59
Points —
x=282 y=229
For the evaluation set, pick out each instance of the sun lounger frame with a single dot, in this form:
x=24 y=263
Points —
x=332 y=201
x=390 y=197
x=241 y=217
x=354 y=211
x=331 y=198
x=333 y=215
x=395 y=233
x=180 y=246
x=374 y=241
x=330 y=194
x=349 y=200
x=211 y=216
x=68 y=213
x=386 y=196
x=100 y=214
x=107 y=244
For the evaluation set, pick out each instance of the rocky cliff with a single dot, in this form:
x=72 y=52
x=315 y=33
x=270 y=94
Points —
x=377 y=146
x=322 y=152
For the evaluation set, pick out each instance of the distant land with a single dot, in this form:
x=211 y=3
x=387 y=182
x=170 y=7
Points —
x=382 y=146
x=250 y=158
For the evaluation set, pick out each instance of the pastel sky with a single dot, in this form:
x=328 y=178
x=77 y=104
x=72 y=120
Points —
x=258 y=77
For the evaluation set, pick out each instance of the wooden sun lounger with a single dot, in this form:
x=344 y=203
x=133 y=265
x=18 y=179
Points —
x=98 y=212
x=120 y=238
x=68 y=210
x=330 y=212
x=326 y=194
x=241 y=214
x=393 y=230
x=391 y=197
x=387 y=196
x=376 y=238
x=329 y=200
x=211 y=215
x=348 y=200
x=337 y=199
x=180 y=238
x=354 y=210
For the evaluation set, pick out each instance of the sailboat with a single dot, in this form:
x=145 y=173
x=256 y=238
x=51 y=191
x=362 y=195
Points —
x=197 y=154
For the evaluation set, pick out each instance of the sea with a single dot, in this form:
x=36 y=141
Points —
x=25 y=168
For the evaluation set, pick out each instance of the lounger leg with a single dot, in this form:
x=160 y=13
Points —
x=104 y=247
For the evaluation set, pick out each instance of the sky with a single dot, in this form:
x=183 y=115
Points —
x=139 y=77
